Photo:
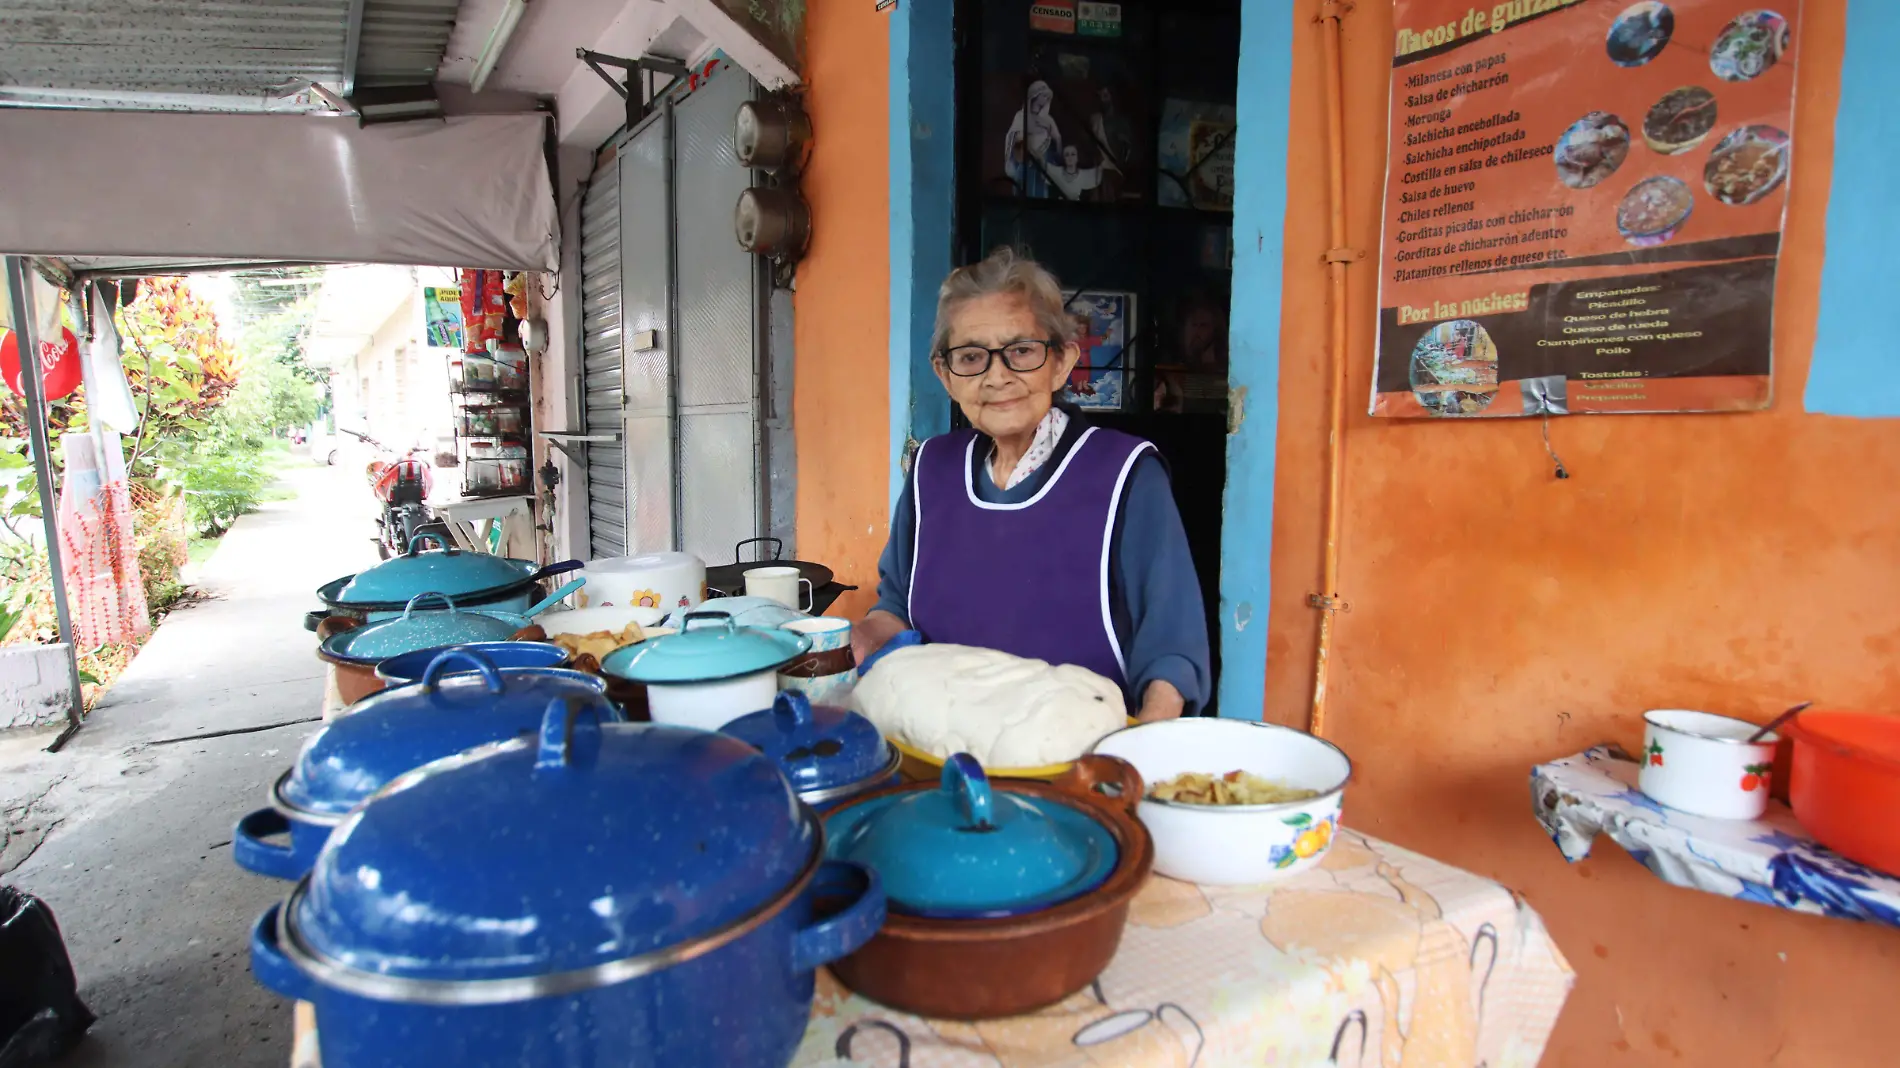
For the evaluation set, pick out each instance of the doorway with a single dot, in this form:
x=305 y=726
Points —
x=1100 y=138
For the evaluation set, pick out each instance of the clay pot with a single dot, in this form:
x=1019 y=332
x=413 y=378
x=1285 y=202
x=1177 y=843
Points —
x=630 y=696
x=984 y=969
x=353 y=681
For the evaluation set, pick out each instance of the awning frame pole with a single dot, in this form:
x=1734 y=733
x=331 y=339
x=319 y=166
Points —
x=27 y=338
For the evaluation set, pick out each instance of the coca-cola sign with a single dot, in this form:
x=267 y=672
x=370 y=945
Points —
x=60 y=370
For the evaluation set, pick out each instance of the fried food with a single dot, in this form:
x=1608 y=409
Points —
x=600 y=642
x=1233 y=788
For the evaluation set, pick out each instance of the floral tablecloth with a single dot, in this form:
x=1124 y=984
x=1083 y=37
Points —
x=1378 y=957
x=1770 y=860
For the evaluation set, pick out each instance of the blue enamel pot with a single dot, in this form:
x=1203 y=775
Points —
x=463 y=700
x=829 y=755
x=598 y=894
x=406 y=668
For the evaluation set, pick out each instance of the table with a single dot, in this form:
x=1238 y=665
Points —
x=1379 y=953
x=1772 y=861
x=470 y=522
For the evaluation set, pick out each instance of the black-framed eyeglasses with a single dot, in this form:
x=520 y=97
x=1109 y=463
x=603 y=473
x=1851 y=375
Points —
x=969 y=361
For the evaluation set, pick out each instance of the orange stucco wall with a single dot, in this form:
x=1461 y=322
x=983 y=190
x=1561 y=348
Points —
x=841 y=309
x=1500 y=617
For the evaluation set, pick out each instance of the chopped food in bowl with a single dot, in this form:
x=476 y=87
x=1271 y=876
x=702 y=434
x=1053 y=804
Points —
x=1292 y=785
x=1234 y=788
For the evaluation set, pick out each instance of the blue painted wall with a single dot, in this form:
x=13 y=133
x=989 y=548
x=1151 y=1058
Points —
x=1260 y=159
x=1856 y=368
x=923 y=201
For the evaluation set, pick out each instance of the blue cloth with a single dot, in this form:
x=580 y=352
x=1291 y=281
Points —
x=1154 y=594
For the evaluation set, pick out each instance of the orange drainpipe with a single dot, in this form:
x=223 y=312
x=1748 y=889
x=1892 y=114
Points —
x=1327 y=601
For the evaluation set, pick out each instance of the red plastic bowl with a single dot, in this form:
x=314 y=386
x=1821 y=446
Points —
x=1845 y=783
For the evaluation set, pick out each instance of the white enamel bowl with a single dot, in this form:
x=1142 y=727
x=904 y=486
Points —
x=1235 y=845
x=1703 y=764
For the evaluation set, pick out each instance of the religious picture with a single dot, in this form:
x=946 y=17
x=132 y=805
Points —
x=1104 y=322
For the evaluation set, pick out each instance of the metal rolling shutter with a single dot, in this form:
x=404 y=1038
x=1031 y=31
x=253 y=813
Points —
x=601 y=360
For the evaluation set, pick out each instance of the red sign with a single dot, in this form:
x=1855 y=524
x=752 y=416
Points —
x=60 y=369
x=1053 y=16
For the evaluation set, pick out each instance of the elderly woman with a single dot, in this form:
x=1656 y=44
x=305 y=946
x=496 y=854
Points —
x=1035 y=533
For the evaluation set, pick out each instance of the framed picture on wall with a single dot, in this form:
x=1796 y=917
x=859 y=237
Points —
x=1070 y=128
x=1104 y=326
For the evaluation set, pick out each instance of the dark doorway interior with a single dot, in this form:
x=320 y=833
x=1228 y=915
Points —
x=1100 y=138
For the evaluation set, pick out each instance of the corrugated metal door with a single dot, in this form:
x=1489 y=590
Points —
x=600 y=362
x=718 y=360
x=674 y=366
x=646 y=238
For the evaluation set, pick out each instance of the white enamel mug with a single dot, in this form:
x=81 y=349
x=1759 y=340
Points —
x=779 y=583
x=826 y=632
x=1702 y=764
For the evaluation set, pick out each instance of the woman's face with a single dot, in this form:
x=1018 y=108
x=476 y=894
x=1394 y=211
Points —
x=1000 y=402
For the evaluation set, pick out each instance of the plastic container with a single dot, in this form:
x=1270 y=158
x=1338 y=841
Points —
x=1845 y=783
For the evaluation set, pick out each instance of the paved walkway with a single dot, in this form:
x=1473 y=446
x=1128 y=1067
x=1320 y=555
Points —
x=126 y=832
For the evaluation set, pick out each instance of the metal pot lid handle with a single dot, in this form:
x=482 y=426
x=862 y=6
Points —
x=778 y=549
x=429 y=535
x=561 y=728
x=969 y=787
x=686 y=621
x=792 y=710
x=447 y=601
x=432 y=675
x=561 y=568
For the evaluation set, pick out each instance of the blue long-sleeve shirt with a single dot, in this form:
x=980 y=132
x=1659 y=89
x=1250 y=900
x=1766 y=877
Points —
x=1154 y=595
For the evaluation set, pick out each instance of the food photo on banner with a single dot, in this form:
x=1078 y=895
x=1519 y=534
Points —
x=1584 y=204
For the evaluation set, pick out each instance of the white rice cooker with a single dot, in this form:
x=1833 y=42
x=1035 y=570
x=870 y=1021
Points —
x=666 y=581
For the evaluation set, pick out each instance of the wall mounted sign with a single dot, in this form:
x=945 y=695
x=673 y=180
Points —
x=1584 y=203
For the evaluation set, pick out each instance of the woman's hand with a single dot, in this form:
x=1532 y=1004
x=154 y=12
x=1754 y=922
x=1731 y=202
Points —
x=872 y=632
x=1161 y=701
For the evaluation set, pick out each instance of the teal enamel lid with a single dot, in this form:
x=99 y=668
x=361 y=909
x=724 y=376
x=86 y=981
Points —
x=447 y=569
x=708 y=648
x=966 y=850
x=428 y=621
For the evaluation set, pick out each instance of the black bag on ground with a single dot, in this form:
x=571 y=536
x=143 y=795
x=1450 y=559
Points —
x=41 y=1016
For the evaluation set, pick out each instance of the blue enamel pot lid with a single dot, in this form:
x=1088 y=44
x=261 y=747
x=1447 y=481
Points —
x=825 y=752
x=588 y=844
x=409 y=667
x=968 y=851
x=429 y=621
x=448 y=569
x=462 y=701
x=710 y=647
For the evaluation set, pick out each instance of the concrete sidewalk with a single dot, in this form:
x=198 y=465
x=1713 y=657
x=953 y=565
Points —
x=126 y=832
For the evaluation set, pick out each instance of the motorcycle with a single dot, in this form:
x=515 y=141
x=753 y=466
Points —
x=401 y=483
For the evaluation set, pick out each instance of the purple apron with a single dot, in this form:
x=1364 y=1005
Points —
x=1028 y=579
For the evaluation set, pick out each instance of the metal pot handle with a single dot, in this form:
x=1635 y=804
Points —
x=778 y=548
x=432 y=675
x=561 y=568
x=268 y=962
x=448 y=601
x=791 y=710
x=259 y=857
x=430 y=535
x=845 y=929
x=329 y=626
x=1105 y=780
x=969 y=789
x=559 y=727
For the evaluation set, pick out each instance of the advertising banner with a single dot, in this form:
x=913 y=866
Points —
x=1583 y=206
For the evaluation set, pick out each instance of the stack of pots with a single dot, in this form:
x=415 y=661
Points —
x=430 y=621
x=1024 y=884
x=474 y=580
x=595 y=892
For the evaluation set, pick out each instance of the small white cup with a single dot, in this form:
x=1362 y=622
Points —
x=1700 y=763
x=826 y=632
x=780 y=584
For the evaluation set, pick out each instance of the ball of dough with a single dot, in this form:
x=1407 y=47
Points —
x=1007 y=711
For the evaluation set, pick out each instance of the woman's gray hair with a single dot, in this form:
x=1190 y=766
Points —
x=1005 y=271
